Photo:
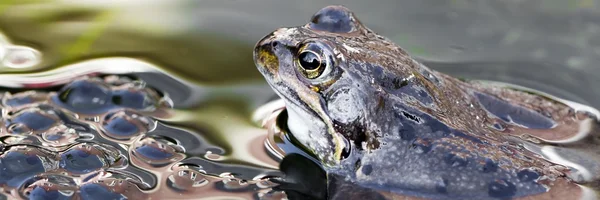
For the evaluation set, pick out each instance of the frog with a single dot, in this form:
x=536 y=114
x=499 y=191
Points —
x=376 y=118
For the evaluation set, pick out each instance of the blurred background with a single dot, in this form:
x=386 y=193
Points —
x=550 y=45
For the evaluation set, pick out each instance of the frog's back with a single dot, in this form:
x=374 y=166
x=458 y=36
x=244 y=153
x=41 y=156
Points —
x=435 y=136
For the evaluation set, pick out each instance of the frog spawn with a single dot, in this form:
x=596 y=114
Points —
x=61 y=127
x=98 y=138
x=111 y=185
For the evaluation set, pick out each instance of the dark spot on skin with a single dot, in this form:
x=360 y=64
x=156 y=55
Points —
x=422 y=93
x=367 y=169
x=455 y=161
x=514 y=113
x=498 y=126
x=411 y=117
x=380 y=104
x=334 y=19
x=407 y=133
x=527 y=175
x=489 y=166
x=359 y=140
x=442 y=186
x=399 y=83
x=395 y=85
x=501 y=189
x=353 y=131
x=357 y=164
x=378 y=72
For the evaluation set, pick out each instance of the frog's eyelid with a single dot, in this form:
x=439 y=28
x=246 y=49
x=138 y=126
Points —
x=328 y=67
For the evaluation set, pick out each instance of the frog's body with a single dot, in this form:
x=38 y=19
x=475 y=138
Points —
x=378 y=118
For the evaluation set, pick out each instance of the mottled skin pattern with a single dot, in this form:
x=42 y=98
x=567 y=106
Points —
x=380 y=119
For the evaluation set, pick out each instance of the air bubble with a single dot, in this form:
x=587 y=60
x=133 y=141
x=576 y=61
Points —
x=184 y=179
x=234 y=184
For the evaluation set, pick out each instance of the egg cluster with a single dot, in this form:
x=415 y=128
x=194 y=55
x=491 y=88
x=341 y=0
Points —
x=79 y=142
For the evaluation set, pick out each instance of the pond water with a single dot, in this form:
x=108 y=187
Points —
x=160 y=99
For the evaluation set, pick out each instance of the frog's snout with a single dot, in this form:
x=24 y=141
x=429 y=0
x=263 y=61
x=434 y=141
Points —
x=264 y=55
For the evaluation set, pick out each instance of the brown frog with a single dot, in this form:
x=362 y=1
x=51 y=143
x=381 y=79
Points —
x=377 y=118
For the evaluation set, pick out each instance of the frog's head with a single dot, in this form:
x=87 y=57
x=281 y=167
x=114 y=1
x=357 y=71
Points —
x=324 y=71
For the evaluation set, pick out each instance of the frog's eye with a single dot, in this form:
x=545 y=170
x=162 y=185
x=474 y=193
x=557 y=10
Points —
x=312 y=61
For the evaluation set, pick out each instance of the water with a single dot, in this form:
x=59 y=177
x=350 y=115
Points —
x=186 y=117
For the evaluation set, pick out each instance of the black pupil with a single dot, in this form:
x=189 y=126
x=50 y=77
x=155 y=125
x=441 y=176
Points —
x=309 y=60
